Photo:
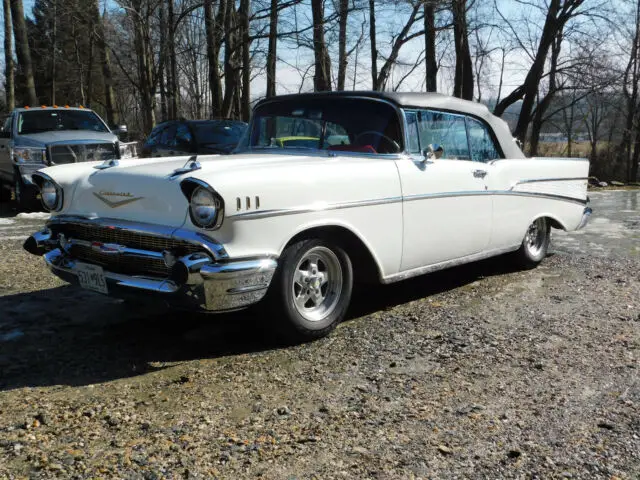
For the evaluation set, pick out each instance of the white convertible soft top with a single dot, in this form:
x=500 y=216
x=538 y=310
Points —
x=434 y=101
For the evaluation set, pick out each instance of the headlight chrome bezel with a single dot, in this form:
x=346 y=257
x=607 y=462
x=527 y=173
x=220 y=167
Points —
x=192 y=187
x=43 y=180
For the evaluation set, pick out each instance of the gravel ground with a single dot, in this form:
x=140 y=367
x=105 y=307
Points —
x=475 y=372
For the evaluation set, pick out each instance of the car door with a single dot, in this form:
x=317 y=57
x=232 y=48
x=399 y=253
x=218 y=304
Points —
x=447 y=209
x=182 y=142
x=6 y=166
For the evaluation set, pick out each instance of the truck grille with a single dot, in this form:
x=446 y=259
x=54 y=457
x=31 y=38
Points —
x=131 y=239
x=73 y=153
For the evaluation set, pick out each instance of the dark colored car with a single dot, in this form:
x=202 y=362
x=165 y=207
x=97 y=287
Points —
x=180 y=137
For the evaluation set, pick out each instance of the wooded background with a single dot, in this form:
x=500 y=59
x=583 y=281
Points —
x=565 y=74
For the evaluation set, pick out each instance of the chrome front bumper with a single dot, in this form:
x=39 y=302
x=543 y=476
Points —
x=206 y=280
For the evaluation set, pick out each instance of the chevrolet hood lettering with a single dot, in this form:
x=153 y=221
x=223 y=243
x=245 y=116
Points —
x=111 y=198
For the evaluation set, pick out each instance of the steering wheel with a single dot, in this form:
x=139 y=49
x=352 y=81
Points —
x=381 y=135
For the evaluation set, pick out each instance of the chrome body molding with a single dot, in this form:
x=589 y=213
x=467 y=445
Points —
x=322 y=206
x=585 y=218
x=448 y=264
x=537 y=180
x=198 y=281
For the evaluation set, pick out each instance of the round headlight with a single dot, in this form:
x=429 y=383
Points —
x=204 y=207
x=49 y=194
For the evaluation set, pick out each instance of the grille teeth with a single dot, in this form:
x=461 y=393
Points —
x=61 y=154
x=120 y=264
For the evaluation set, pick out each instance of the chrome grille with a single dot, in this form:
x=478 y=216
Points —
x=127 y=238
x=119 y=264
x=73 y=153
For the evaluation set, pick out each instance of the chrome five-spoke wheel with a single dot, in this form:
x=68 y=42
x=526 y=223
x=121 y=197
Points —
x=312 y=288
x=317 y=283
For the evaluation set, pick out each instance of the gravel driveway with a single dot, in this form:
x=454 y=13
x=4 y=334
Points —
x=476 y=372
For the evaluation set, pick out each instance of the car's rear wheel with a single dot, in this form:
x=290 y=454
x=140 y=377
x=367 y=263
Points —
x=535 y=244
x=312 y=289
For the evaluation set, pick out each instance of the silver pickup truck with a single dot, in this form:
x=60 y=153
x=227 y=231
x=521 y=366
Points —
x=33 y=138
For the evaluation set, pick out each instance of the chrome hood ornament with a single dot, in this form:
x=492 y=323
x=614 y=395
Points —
x=110 y=198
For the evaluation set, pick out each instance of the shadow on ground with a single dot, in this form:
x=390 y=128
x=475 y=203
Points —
x=66 y=336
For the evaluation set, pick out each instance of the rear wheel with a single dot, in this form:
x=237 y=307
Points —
x=312 y=289
x=535 y=244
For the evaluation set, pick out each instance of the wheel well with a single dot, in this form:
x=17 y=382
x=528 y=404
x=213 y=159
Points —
x=365 y=268
x=555 y=223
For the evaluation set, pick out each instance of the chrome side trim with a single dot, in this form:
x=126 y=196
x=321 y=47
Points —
x=536 y=180
x=548 y=196
x=209 y=244
x=319 y=207
x=397 y=277
x=323 y=206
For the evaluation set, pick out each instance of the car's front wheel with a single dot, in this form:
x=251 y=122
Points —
x=312 y=289
x=535 y=244
x=25 y=196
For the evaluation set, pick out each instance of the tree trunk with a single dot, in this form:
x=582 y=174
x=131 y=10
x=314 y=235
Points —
x=342 y=44
x=53 y=52
x=8 y=57
x=430 y=48
x=230 y=84
x=272 y=52
x=374 y=46
x=245 y=104
x=23 y=51
x=213 y=52
x=322 y=75
x=107 y=77
x=146 y=87
x=174 y=94
x=463 y=81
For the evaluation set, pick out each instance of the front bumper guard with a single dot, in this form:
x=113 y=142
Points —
x=198 y=281
x=586 y=215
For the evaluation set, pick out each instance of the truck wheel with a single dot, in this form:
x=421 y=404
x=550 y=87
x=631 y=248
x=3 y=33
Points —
x=311 y=290
x=25 y=196
x=534 y=245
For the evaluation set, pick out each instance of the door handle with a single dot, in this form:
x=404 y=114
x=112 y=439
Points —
x=480 y=173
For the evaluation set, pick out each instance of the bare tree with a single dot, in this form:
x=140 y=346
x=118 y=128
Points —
x=273 y=46
x=213 y=54
x=558 y=13
x=22 y=49
x=322 y=75
x=430 y=47
x=8 y=57
x=463 y=82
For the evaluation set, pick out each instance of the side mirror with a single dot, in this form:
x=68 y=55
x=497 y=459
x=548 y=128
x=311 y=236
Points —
x=119 y=129
x=433 y=152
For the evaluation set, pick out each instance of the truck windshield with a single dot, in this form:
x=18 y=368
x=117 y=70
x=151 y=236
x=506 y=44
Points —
x=326 y=123
x=55 y=120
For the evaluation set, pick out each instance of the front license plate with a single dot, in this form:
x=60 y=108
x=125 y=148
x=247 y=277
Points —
x=91 y=277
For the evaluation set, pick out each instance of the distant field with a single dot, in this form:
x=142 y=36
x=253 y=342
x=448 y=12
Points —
x=559 y=149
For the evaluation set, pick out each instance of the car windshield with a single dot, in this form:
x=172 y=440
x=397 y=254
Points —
x=56 y=120
x=219 y=133
x=326 y=123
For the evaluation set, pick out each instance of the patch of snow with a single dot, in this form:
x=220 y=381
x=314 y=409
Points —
x=34 y=216
x=6 y=221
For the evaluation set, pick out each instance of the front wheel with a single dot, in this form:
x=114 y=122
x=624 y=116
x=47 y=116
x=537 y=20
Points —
x=535 y=244
x=312 y=289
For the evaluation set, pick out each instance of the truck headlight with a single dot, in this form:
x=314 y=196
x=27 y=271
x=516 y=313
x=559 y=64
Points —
x=29 y=155
x=206 y=207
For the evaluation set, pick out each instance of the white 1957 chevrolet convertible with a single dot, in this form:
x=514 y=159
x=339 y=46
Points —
x=324 y=189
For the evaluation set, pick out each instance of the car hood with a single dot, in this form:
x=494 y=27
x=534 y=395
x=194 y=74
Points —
x=148 y=189
x=64 y=137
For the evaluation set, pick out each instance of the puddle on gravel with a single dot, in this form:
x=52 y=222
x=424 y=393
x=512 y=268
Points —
x=614 y=227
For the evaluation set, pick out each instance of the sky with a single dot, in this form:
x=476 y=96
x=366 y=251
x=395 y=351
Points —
x=289 y=76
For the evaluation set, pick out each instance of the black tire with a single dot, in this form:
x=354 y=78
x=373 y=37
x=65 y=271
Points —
x=535 y=244
x=25 y=196
x=292 y=325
